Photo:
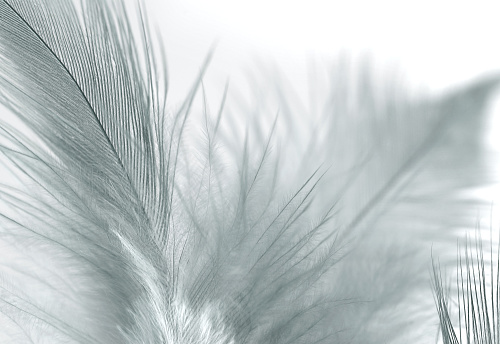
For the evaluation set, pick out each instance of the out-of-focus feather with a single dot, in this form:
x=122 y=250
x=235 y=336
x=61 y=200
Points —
x=404 y=184
x=430 y=202
x=121 y=228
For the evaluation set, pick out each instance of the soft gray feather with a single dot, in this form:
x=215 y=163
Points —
x=118 y=226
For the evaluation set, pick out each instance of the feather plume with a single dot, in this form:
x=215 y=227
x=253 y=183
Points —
x=124 y=221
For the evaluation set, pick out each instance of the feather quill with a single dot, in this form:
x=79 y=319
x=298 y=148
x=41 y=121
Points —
x=119 y=227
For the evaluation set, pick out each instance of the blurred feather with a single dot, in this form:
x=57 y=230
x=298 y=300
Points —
x=126 y=222
x=406 y=181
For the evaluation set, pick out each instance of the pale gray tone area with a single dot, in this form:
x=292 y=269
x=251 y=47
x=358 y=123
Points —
x=438 y=44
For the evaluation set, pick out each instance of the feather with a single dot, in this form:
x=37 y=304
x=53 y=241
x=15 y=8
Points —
x=120 y=225
x=475 y=297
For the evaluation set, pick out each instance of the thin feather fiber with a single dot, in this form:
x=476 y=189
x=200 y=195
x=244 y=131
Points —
x=127 y=220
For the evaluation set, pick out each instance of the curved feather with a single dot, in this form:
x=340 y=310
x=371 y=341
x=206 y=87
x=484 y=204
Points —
x=77 y=83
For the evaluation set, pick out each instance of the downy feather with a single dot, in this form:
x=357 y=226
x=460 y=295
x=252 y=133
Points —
x=125 y=221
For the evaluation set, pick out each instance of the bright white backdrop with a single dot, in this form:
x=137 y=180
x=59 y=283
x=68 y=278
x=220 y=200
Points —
x=437 y=43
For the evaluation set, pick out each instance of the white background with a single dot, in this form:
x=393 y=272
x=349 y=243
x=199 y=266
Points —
x=435 y=43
